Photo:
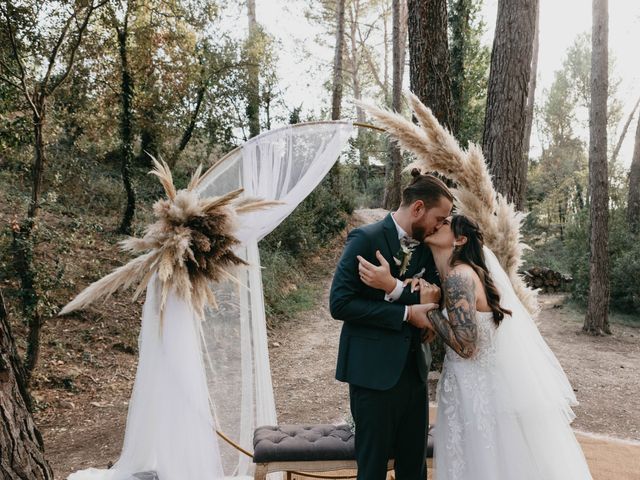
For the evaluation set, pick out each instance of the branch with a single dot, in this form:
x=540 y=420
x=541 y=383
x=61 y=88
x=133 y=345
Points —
x=16 y=55
x=76 y=45
x=624 y=133
x=10 y=82
x=56 y=48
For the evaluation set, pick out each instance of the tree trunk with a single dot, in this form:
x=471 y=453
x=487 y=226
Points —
x=596 y=320
x=429 y=71
x=24 y=243
x=336 y=94
x=633 y=201
x=531 y=97
x=393 y=188
x=22 y=452
x=126 y=130
x=509 y=76
x=188 y=132
x=253 y=93
x=39 y=162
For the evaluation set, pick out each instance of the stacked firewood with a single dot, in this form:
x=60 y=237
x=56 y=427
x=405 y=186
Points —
x=547 y=280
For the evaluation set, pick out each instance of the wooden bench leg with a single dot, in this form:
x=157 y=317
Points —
x=261 y=471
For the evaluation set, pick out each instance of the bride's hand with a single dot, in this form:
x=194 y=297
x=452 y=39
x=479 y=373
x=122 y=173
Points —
x=414 y=282
x=377 y=276
x=429 y=293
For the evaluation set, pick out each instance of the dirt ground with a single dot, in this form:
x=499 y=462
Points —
x=84 y=382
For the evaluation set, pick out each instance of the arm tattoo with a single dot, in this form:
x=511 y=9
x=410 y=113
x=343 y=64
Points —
x=460 y=331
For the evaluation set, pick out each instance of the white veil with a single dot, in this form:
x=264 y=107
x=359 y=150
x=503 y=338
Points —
x=523 y=351
x=532 y=395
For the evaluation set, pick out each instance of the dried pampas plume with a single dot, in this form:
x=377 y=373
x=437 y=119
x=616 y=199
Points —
x=189 y=246
x=437 y=150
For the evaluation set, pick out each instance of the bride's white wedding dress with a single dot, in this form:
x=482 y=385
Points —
x=505 y=413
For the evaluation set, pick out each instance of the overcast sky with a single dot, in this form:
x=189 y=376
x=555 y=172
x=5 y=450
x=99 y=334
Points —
x=561 y=21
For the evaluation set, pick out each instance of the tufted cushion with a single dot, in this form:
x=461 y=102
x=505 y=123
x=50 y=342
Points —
x=308 y=443
x=288 y=443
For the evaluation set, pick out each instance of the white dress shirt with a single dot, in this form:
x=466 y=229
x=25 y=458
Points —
x=397 y=292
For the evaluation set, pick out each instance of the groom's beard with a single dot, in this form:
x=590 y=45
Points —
x=418 y=232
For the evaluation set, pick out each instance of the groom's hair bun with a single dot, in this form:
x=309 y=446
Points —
x=425 y=187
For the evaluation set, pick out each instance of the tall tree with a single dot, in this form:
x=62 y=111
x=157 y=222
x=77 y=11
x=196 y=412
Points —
x=336 y=84
x=336 y=93
x=121 y=28
x=429 y=71
x=509 y=77
x=597 y=318
x=42 y=55
x=392 y=194
x=253 y=93
x=633 y=199
x=531 y=95
x=22 y=452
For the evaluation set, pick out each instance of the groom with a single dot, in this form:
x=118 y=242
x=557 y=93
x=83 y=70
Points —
x=381 y=354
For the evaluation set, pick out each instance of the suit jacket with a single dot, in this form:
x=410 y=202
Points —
x=375 y=341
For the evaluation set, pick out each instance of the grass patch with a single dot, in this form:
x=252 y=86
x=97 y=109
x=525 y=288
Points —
x=615 y=317
x=287 y=289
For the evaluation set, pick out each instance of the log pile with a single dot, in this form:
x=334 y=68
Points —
x=547 y=280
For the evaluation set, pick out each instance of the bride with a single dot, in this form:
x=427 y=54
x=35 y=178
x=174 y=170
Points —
x=504 y=402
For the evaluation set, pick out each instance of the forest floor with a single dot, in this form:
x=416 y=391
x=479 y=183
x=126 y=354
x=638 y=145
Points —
x=88 y=363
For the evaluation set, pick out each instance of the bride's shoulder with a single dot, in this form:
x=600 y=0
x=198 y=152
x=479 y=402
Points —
x=461 y=270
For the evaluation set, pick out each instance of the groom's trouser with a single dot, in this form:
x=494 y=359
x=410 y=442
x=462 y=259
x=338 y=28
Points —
x=392 y=424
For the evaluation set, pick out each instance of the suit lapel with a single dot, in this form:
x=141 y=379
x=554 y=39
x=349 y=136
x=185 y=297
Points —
x=417 y=260
x=391 y=237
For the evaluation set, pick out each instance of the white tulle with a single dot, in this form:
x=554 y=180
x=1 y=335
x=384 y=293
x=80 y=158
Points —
x=170 y=428
x=505 y=413
x=198 y=376
x=285 y=165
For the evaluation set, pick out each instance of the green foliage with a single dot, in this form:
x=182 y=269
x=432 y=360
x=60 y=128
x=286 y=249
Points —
x=313 y=224
x=287 y=290
x=470 y=61
x=624 y=258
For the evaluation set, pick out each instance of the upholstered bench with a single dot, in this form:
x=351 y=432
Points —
x=307 y=448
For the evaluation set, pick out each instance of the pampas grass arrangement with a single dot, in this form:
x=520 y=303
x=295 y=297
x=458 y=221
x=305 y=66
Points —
x=436 y=149
x=189 y=246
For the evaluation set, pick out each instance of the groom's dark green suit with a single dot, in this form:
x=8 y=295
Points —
x=382 y=357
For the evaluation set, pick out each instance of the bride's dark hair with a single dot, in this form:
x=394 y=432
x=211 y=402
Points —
x=470 y=253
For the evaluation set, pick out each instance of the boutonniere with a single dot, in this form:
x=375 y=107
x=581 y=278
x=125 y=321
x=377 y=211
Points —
x=403 y=257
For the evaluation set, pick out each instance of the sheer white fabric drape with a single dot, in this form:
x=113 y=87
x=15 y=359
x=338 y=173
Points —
x=170 y=429
x=195 y=376
x=286 y=165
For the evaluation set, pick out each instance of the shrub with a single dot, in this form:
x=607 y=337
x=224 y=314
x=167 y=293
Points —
x=624 y=258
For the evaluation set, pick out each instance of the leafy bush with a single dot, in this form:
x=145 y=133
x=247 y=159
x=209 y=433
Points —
x=318 y=219
x=286 y=290
x=624 y=258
